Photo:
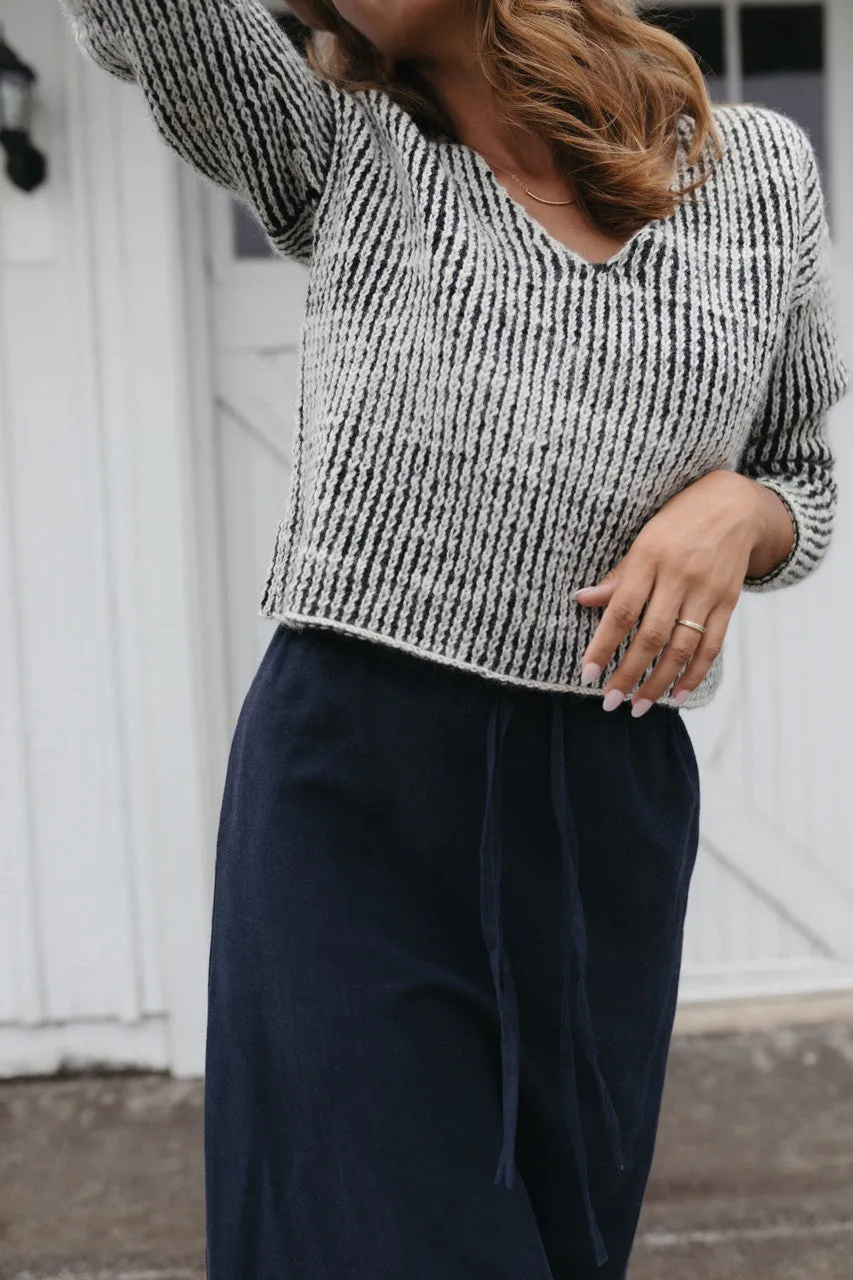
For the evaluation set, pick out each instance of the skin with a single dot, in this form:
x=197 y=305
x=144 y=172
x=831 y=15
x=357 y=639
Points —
x=691 y=558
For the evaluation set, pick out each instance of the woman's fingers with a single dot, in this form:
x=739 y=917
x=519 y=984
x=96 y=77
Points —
x=626 y=604
x=599 y=595
x=710 y=644
x=682 y=647
x=688 y=560
x=642 y=594
x=654 y=635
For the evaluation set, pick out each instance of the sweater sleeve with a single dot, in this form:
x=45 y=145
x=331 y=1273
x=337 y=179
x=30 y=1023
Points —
x=788 y=449
x=229 y=93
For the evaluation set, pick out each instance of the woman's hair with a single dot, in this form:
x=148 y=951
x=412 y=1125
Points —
x=604 y=86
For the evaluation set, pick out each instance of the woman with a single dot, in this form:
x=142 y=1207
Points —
x=564 y=391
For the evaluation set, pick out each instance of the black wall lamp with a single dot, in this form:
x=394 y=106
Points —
x=26 y=167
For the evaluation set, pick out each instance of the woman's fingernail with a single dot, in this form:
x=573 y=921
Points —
x=591 y=672
x=613 y=699
x=641 y=707
x=682 y=696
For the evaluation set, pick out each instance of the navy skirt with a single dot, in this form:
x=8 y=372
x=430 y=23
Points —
x=447 y=933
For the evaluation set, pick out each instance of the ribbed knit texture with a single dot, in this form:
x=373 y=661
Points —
x=486 y=420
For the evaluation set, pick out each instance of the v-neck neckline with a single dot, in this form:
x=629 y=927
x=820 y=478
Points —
x=539 y=232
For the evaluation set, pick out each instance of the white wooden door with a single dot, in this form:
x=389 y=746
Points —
x=772 y=902
x=104 y=825
x=772 y=898
x=257 y=311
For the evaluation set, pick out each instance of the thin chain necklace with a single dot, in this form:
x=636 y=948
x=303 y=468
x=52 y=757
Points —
x=524 y=187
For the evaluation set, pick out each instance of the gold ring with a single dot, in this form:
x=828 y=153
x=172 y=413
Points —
x=697 y=626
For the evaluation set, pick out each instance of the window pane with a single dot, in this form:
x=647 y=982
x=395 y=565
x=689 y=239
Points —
x=701 y=29
x=249 y=240
x=784 y=64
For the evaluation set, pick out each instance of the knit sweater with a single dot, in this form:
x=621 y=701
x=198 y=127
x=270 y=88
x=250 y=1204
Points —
x=486 y=419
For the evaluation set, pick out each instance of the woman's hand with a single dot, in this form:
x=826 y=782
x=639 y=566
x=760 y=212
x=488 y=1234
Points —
x=689 y=561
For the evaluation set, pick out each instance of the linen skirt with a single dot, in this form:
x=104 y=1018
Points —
x=446 y=940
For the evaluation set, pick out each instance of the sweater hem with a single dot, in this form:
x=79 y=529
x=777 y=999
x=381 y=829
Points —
x=301 y=620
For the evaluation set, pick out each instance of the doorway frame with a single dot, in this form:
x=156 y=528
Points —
x=197 y=203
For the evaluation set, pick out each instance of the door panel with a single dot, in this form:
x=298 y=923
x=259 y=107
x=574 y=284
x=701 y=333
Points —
x=772 y=902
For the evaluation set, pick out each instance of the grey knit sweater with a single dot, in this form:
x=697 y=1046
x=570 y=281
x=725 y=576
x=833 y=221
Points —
x=486 y=420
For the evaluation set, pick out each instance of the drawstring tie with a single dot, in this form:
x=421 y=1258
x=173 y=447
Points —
x=490 y=915
x=574 y=953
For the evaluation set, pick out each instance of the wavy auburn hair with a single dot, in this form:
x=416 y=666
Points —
x=604 y=86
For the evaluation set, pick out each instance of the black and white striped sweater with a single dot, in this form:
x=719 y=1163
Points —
x=486 y=419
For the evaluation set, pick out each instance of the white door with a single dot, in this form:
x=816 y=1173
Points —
x=257 y=312
x=772 y=901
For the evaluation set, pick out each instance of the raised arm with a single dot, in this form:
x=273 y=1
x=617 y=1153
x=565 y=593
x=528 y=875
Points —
x=789 y=450
x=228 y=92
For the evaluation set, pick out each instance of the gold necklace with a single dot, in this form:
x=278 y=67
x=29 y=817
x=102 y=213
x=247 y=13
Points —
x=524 y=187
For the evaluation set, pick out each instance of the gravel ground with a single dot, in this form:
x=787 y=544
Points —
x=101 y=1177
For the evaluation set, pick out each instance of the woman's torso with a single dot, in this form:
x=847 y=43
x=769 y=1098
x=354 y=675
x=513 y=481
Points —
x=486 y=419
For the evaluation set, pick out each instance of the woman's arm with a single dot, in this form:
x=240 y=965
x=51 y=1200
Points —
x=788 y=451
x=772 y=517
x=228 y=92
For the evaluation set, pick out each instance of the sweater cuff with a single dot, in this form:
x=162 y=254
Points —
x=809 y=545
